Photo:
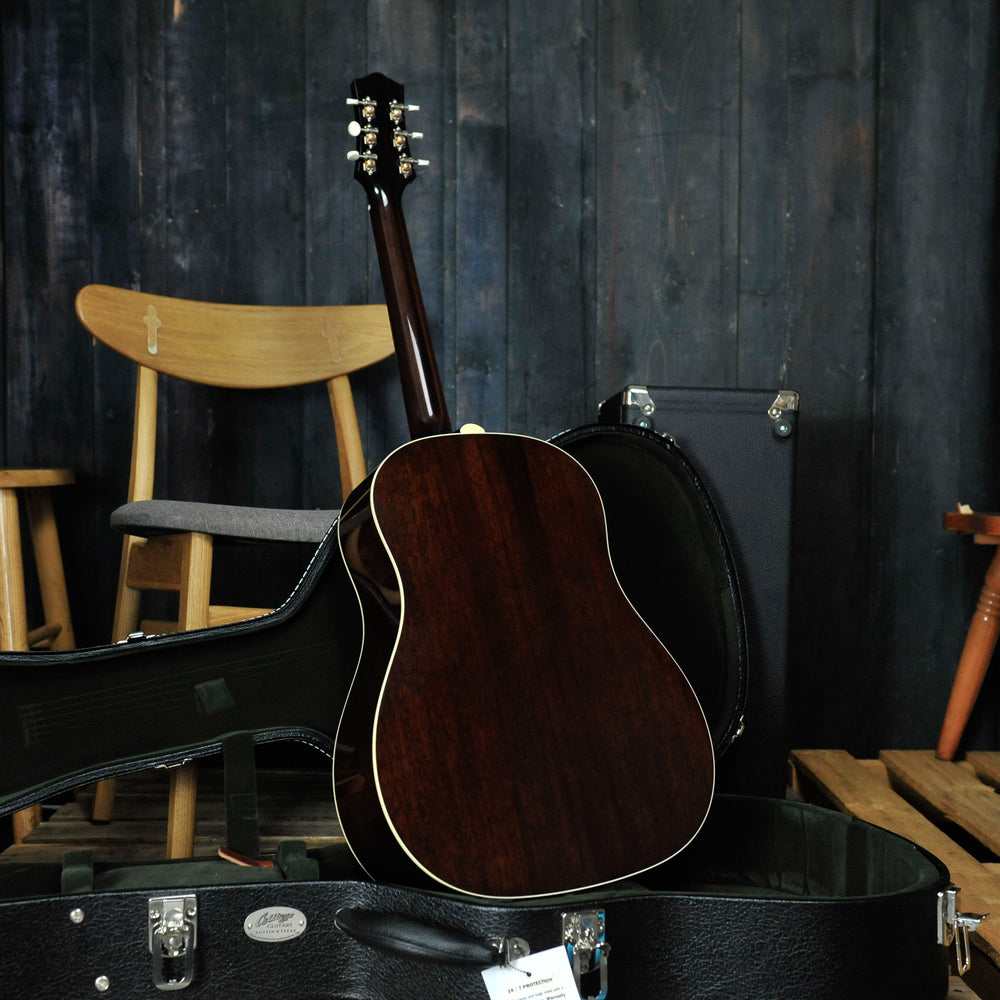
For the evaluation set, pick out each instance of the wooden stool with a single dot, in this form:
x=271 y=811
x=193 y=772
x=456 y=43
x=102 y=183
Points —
x=57 y=632
x=981 y=639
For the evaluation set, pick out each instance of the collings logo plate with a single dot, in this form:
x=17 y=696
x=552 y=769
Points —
x=275 y=923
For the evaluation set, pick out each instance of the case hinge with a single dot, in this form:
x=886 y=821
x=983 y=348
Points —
x=173 y=937
x=510 y=949
x=955 y=927
x=584 y=938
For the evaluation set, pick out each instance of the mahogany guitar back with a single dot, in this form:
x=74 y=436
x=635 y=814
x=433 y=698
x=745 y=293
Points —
x=530 y=735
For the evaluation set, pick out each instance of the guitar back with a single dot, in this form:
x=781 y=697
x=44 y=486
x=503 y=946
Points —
x=531 y=735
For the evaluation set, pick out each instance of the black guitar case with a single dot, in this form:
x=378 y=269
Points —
x=773 y=899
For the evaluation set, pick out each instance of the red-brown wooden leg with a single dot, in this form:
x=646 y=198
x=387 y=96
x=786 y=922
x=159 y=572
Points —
x=975 y=661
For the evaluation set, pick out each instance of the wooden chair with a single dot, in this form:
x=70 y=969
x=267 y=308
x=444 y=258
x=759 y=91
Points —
x=168 y=545
x=981 y=639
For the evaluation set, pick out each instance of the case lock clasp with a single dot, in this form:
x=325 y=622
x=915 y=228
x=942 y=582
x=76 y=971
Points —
x=587 y=948
x=955 y=927
x=173 y=937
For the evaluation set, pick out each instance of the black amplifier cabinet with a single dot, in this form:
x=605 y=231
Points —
x=741 y=443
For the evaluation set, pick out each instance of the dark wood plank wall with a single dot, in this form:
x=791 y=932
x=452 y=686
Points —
x=749 y=193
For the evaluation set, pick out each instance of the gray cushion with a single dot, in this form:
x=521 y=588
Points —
x=161 y=517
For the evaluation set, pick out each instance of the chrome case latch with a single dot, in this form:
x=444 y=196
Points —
x=587 y=948
x=639 y=397
x=954 y=927
x=173 y=937
x=787 y=401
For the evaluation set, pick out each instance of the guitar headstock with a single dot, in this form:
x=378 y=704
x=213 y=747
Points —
x=382 y=160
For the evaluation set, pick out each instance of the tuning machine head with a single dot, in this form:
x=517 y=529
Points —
x=407 y=163
x=397 y=110
x=368 y=161
x=368 y=133
x=383 y=140
x=400 y=137
x=366 y=104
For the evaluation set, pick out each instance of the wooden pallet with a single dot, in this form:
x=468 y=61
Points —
x=951 y=809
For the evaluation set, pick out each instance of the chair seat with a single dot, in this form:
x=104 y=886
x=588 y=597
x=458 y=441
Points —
x=147 y=518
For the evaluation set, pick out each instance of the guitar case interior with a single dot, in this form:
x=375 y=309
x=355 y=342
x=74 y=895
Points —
x=773 y=899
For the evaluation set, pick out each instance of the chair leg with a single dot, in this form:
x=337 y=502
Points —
x=196 y=577
x=126 y=621
x=14 y=618
x=48 y=560
x=25 y=820
x=13 y=607
x=980 y=642
x=181 y=813
x=103 y=808
x=196 y=580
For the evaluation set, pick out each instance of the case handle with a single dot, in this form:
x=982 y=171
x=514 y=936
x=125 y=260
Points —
x=412 y=939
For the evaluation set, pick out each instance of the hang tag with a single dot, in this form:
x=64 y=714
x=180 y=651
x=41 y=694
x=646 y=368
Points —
x=546 y=975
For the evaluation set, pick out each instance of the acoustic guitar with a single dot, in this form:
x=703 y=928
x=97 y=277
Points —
x=513 y=727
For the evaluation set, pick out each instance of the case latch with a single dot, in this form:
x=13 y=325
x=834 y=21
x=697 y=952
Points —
x=954 y=926
x=584 y=938
x=173 y=937
x=787 y=401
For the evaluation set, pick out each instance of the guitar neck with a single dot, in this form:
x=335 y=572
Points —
x=423 y=395
x=384 y=166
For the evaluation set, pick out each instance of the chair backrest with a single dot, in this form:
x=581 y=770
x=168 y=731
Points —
x=237 y=346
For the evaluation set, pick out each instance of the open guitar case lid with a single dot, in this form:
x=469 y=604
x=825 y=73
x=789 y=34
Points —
x=773 y=899
x=673 y=559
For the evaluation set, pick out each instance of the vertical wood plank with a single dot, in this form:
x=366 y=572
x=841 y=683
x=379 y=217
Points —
x=265 y=133
x=548 y=311
x=935 y=357
x=765 y=334
x=666 y=188
x=830 y=232
x=258 y=449
x=482 y=164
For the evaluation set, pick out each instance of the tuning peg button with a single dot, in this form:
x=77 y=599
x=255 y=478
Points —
x=366 y=104
x=407 y=163
x=369 y=161
x=396 y=110
x=400 y=138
